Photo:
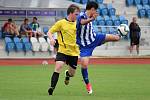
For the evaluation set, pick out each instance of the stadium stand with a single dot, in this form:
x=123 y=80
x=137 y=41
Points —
x=26 y=44
x=43 y=44
x=9 y=45
x=18 y=44
x=35 y=44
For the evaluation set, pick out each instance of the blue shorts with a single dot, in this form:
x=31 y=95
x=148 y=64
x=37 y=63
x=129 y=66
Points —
x=88 y=50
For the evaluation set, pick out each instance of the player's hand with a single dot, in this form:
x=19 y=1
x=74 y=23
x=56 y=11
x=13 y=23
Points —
x=95 y=15
x=52 y=41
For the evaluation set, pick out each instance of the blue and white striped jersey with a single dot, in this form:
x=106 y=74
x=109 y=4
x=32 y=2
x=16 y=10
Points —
x=85 y=33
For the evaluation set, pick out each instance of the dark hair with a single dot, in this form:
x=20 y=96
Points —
x=35 y=18
x=26 y=19
x=9 y=20
x=91 y=4
x=72 y=8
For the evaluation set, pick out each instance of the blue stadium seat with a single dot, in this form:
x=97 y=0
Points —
x=144 y=2
x=108 y=21
x=147 y=10
x=111 y=30
x=9 y=45
x=104 y=30
x=116 y=20
x=100 y=1
x=137 y=2
x=18 y=44
x=103 y=10
x=111 y=10
x=96 y=29
x=84 y=1
x=95 y=22
x=100 y=21
x=129 y=2
x=141 y=11
x=45 y=30
x=123 y=20
x=26 y=44
x=77 y=1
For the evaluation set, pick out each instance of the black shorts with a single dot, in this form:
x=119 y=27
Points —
x=134 y=41
x=69 y=60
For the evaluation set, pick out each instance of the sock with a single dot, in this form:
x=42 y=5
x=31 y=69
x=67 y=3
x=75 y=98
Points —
x=84 y=72
x=54 y=79
x=67 y=76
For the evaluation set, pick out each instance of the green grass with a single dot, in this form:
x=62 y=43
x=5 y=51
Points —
x=110 y=82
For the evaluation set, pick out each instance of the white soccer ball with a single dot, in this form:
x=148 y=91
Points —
x=123 y=29
x=44 y=62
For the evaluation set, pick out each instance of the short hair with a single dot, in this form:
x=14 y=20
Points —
x=9 y=20
x=35 y=18
x=72 y=8
x=91 y=4
x=26 y=19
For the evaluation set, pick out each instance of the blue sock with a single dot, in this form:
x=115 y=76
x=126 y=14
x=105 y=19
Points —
x=84 y=72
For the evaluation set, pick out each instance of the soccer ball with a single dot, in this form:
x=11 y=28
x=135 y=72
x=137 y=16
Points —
x=123 y=29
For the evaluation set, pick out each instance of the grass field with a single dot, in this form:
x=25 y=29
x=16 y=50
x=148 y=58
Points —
x=110 y=82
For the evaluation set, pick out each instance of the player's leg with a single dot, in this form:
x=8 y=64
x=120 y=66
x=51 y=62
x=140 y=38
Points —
x=137 y=49
x=84 y=71
x=72 y=62
x=111 y=38
x=60 y=60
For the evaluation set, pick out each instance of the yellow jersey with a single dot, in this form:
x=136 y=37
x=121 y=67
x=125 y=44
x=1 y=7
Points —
x=66 y=31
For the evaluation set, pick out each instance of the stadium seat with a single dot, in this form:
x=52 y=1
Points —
x=100 y=21
x=26 y=44
x=95 y=22
x=100 y=1
x=77 y=1
x=111 y=10
x=18 y=44
x=84 y=1
x=116 y=20
x=103 y=10
x=96 y=29
x=144 y=2
x=129 y=2
x=137 y=2
x=9 y=45
x=104 y=30
x=141 y=11
x=45 y=30
x=147 y=9
x=108 y=21
x=43 y=44
x=123 y=20
x=111 y=30
x=35 y=44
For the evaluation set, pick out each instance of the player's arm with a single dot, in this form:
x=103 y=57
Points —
x=52 y=40
x=88 y=20
x=53 y=29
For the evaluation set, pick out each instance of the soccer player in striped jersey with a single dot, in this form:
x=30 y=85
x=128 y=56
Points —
x=88 y=39
x=68 y=50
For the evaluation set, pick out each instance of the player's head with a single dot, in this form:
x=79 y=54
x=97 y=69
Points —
x=26 y=20
x=134 y=19
x=9 y=20
x=35 y=19
x=92 y=7
x=72 y=11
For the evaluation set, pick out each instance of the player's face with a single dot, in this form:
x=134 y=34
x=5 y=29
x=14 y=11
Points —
x=75 y=14
x=93 y=11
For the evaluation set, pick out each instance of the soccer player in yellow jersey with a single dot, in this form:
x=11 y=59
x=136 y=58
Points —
x=68 y=50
